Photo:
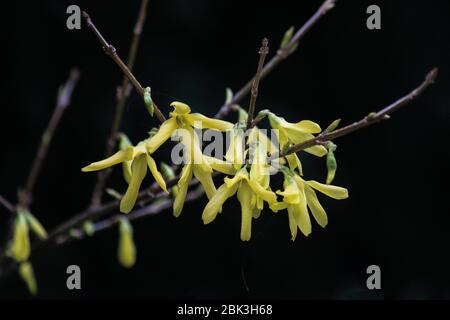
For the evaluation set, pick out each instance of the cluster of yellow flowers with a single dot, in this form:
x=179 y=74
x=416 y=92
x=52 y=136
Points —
x=246 y=167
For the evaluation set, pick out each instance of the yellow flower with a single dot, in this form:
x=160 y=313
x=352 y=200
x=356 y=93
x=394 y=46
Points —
x=197 y=164
x=299 y=195
x=294 y=133
x=182 y=117
x=140 y=158
x=248 y=191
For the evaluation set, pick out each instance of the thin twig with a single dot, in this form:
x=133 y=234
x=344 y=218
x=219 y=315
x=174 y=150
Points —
x=111 y=51
x=281 y=55
x=155 y=208
x=63 y=101
x=263 y=51
x=123 y=92
x=370 y=119
x=7 y=205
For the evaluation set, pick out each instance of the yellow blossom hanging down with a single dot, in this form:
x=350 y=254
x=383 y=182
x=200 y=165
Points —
x=140 y=158
x=182 y=117
x=249 y=190
x=197 y=164
x=299 y=195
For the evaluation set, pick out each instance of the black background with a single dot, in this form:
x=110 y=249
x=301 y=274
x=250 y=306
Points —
x=396 y=216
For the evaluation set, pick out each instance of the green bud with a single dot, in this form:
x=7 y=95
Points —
x=35 y=225
x=167 y=171
x=89 y=228
x=287 y=37
x=113 y=193
x=148 y=101
x=331 y=162
x=126 y=252
x=242 y=115
x=262 y=114
x=371 y=115
x=124 y=141
x=27 y=274
x=228 y=96
x=333 y=126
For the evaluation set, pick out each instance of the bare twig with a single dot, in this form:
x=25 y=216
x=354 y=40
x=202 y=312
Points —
x=263 y=51
x=63 y=100
x=281 y=55
x=370 y=119
x=123 y=92
x=155 y=208
x=7 y=205
x=111 y=51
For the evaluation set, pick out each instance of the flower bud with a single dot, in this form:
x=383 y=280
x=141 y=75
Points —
x=148 y=101
x=27 y=274
x=331 y=162
x=126 y=252
x=20 y=246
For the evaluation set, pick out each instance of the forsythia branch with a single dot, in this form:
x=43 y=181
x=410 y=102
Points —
x=370 y=119
x=123 y=92
x=111 y=51
x=263 y=51
x=63 y=101
x=281 y=55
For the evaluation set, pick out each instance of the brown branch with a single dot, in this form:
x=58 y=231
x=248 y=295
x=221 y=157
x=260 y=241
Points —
x=372 y=118
x=123 y=92
x=149 y=210
x=263 y=51
x=63 y=101
x=7 y=205
x=111 y=51
x=281 y=55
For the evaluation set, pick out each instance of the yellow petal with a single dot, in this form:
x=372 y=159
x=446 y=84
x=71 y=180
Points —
x=119 y=156
x=277 y=206
x=266 y=195
x=256 y=213
x=206 y=180
x=126 y=170
x=294 y=162
x=244 y=195
x=316 y=208
x=183 y=184
x=235 y=152
x=220 y=165
x=155 y=173
x=180 y=108
x=126 y=252
x=305 y=126
x=138 y=172
x=198 y=120
x=292 y=224
x=302 y=218
x=318 y=151
x=165 y=132
x=215 y=204
x=330 y=190
x=241 y=174
x=291 y=193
